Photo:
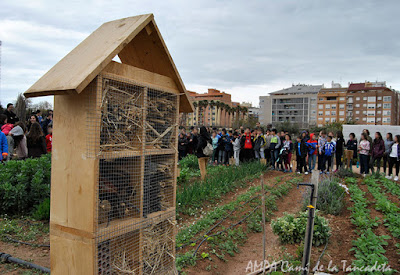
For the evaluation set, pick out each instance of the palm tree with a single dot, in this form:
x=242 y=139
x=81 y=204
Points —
x=226 y=108
x=238 y=109
x=218 y=104
x=195 y=115
x=244 y=111
x=205 y=104
x=212 y=105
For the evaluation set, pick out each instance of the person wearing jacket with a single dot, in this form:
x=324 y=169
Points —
x=36 y=141
x=229 y=147
x=394 y=158
x=247 y=145
x=312 y=146
x=275 y=144
x=259 y=144
x=301 y=154
x=19 y=138
x=222 y=142
x=364 y=149
x=11 y=116
x=287 y=152
x=340 y=144
x=388 y=144
x=328 y=152
x=3 y=147
x=351 y=152
x=321 y=143
x=203 y=139
x=182 y=146
x=214 y=139
x=236 y=148
x=378 y=149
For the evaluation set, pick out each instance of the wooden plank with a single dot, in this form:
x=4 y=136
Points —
x=141 y=76
x=79 y=67
x=73 y=177
x=70 y=256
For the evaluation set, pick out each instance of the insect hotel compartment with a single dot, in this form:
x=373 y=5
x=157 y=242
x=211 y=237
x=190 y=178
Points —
x=158 y=185
x=121 y=116
x=161 y=120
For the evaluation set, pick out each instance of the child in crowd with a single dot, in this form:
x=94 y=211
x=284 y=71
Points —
x=312 y=145
x=301 y=154
x=49 y=138
x=364 y=149
x=328 y=153
x=236 y=148
x=287 y=153
x=394 y=158
x=274 y=146
x=214 y=139
x=351 y=152
x=321 y=144
x=19 y=139
x=259 y=144
x=3 y=147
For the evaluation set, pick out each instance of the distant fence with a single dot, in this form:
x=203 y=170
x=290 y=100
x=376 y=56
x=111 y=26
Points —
x=357 y=129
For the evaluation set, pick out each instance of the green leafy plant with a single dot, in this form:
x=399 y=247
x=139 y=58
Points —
x=24 y=184
x=42 y=211
x=292 y=228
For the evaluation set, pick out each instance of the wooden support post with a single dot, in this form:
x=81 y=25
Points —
x=310 y=224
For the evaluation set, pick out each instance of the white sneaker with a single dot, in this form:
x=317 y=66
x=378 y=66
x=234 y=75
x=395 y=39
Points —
x=389 y=177
x=306 y=173
x=364 y=175
x=396 y=178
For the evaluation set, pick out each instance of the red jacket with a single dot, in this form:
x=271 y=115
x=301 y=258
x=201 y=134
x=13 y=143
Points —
x=49 y=142
x=6 y=128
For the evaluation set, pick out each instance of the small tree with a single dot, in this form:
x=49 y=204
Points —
x=21 y=106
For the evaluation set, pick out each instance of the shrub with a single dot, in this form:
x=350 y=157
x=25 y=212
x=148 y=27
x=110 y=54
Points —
x=292 y=229
x=42 y=211
x=24 y=184
x=190 y=162
x=330 y=196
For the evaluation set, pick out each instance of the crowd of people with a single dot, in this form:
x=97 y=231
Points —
x=306 y=153
x=20 y=140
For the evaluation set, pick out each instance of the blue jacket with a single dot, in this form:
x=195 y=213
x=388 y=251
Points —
x=329 y=149
x=3 y=145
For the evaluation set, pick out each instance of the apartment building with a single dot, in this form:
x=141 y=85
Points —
x=297 y=104
x=332 y=105
x=210 y=115
x=265 y=110
x=371 y=103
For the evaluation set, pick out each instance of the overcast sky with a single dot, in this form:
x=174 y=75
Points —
x=246 y=48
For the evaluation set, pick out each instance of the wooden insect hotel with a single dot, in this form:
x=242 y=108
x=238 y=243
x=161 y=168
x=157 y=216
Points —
x=114 y=152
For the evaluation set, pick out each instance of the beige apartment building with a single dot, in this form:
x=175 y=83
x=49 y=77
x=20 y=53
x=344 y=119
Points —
x=371 y=103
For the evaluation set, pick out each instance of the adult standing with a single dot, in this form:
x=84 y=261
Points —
x=47 y=121
x=182 y=145
x=351 y=152
x=388 y=145
x=340 y=143
x=364 y=148
x=378 y=149
x=36 y=141
x=203 y=139
x=195 y=138
x=247 y=145
x=394 y=158
x=32 y=119
x=11 y=116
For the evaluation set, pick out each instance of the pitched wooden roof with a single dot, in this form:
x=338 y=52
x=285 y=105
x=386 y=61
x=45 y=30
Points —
x=136 y=40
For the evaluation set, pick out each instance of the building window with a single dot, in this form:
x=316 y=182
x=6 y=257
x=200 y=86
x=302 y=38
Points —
x=386 y=120
x=387 y=105
x=341 y=106
x=379 y=112
x=357 y=98
x=341 y=113
x=327 y=119
x=333 y=113
x=379 y=106
x=333 y=119
x=371 y=113
x=379 y=98
x=342 y=98
x=320 y=118
x=371 y=106
x=387 y=98
x=364 y=118
x=371 y=120
x=327 y=113
x=364 y=105
x=320 y=113
x=371 y=99
x=357 y=105
x=386 y=113
x=320 y=106
x=357 y=118
x=357 y=112
x=350 y=100
x=333 y=107
x=321 y=98
x=364 y=98
x=327 y=106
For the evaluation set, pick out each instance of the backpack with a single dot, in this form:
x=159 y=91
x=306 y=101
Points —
x=208 y=150
x=247 y=143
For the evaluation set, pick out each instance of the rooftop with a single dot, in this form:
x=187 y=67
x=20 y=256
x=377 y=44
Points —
x=299 y=89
